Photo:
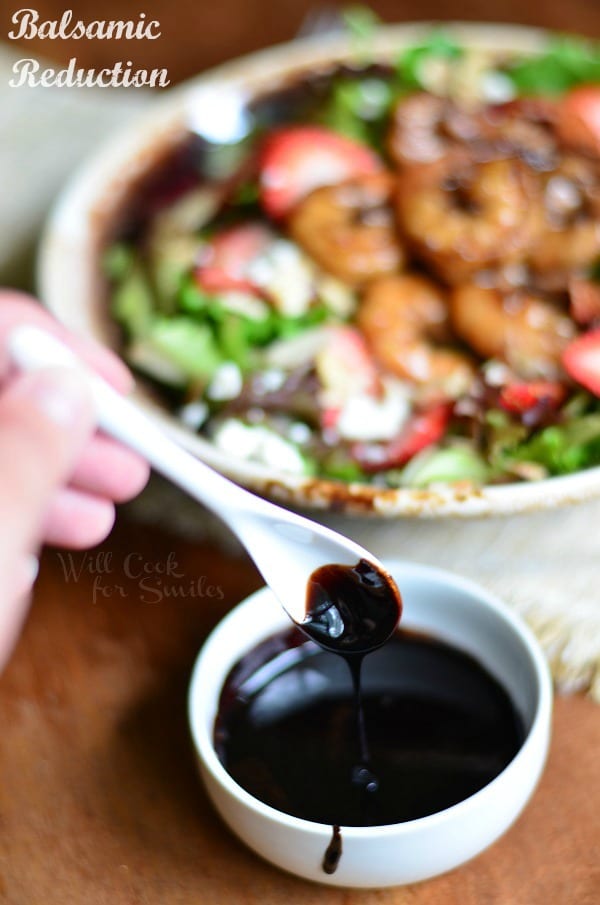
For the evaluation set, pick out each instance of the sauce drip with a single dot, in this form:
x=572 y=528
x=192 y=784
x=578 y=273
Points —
x=351 y=611
x=333 y=853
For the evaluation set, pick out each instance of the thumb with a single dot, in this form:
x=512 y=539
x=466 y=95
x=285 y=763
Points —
x=45 y=419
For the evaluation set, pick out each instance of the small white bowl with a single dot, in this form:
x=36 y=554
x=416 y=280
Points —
x=447 y=607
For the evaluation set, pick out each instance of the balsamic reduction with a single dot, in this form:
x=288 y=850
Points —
x=351 y=609
x=407 y=731
x=439 y=728
x=333 y=852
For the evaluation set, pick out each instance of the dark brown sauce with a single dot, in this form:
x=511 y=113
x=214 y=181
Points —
x=407 y=731
x=439 y=728
x=351 y=609
x=333 y=853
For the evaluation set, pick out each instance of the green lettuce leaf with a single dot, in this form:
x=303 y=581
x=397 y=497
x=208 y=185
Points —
x=445 y=466
x=567 y=62
x=565 y=448
x=357 y=108
x=133 y=301
x=185 y=346
x=438 y=45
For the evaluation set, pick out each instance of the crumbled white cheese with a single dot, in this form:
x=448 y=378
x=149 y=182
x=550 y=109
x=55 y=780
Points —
x=367 y=417
x=286 y=275
x=299 y=433
x=497 y=87
x=194 y=414
x=270 y=380
x=236 y=439
x=258 y=444
x=226 y=383
x=497 y=373
x=374 y=97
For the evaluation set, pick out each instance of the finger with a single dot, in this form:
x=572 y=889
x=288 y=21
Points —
x=16 y=308
x=45 y=420
x=78 y=520
x=107 y=469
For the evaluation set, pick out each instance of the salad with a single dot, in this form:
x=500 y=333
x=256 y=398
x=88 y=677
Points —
x=391 y=275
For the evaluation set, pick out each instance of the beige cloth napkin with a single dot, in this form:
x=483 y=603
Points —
x=544 y=565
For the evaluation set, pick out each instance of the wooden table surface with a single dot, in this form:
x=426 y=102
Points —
x=99 y=798
x=195 y=36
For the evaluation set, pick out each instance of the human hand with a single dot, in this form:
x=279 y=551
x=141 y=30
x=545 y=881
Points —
x=58 y=479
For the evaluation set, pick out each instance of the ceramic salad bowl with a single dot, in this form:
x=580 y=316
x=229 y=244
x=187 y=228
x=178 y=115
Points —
x=541 y=430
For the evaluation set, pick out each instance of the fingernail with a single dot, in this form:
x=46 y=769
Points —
x=60 y=394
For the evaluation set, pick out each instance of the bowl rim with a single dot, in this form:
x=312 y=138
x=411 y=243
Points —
x=537 y=732
x=72 y=233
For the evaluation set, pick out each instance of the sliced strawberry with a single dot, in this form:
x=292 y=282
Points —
x=423 y=430
x=581 y=359
x=521 y=397
x=578 y=119
x=345 y=368
x=585 y=300
x=296 y=160
x=330 y=416
x=226 y=261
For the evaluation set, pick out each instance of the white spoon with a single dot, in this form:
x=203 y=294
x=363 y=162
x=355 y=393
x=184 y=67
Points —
x=286 y=547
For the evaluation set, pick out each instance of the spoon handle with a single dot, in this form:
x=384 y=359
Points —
x=32 y=348
x=285 y=547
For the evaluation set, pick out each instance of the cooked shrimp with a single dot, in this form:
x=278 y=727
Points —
x=522 y=128
x=520 y=328
x=465 y=221
x=404 y=319
x=425 y=128
x=569 y=235
x=349 y=230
